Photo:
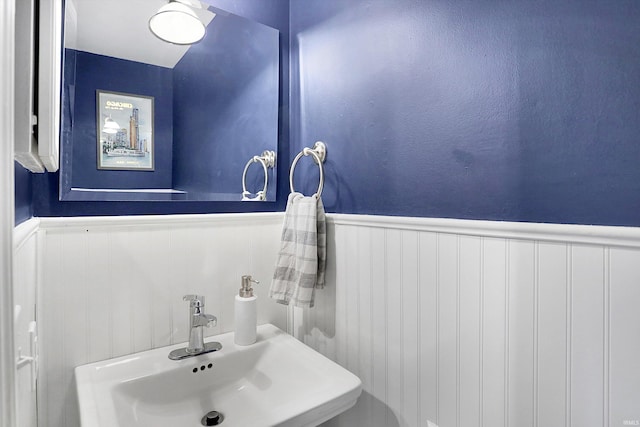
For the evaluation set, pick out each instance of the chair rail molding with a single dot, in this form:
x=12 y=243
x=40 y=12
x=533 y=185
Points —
x=574 y=233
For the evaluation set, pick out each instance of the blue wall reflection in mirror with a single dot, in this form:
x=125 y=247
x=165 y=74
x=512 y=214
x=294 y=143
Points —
x=214 y=110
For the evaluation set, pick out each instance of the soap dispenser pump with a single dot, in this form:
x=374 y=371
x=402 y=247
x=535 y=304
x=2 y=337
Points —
x=246 y=319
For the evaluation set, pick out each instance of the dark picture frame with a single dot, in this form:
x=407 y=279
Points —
x=125 y=131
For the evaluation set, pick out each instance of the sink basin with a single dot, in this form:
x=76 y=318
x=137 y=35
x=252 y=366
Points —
x=278 y=381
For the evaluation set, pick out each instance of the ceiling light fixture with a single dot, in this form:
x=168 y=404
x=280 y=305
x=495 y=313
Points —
x=110 y=126
x=177 y=23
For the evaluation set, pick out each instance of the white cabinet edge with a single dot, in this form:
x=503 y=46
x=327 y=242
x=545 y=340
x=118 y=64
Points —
x=49 y=82
x=26 y=146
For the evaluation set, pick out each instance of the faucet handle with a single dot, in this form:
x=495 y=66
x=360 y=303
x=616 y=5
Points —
x=211 y=320
x=195 y=300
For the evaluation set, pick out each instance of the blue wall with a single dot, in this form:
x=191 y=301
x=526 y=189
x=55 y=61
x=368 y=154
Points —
x=98 y=72
x=274 y=13
x=23 y=203
x=483 y=109
x=219 y=126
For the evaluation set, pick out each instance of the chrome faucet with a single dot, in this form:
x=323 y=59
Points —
x=197 y=319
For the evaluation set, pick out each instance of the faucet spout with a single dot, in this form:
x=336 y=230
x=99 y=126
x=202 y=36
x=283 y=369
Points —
x=204 y=320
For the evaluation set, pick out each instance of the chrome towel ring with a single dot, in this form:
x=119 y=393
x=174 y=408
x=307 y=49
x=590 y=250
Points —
x=268 y=160
x=318 y=152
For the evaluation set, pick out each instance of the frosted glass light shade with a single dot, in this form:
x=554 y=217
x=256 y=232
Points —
x=176 y=23
x=110 y=126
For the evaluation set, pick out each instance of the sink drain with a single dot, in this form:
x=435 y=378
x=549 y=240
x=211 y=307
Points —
x=212 y=418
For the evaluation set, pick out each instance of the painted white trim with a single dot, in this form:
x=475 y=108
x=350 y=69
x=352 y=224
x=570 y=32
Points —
x=23 y=231
x=7 y=355
x=585 y=234
x=160 y=220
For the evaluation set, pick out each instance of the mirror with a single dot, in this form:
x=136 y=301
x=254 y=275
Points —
x=143 y=119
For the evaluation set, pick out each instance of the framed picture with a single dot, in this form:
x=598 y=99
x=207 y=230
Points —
x=125 y=131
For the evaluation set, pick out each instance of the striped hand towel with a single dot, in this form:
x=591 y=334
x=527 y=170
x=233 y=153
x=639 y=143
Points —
x=300 y=267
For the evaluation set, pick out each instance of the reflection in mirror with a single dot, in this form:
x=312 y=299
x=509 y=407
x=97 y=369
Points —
x=171 y=122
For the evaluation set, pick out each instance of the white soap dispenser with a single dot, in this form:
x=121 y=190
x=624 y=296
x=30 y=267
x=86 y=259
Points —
x=246 y=317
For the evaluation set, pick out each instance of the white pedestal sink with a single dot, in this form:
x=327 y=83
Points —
x=278 y=381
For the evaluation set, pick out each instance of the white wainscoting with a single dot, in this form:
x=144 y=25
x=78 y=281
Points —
x=25 y=249
x=472 y=323
x=462 y=323
x=114 y=286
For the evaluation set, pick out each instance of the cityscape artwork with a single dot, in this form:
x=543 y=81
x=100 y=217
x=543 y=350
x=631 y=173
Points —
x=125 y=131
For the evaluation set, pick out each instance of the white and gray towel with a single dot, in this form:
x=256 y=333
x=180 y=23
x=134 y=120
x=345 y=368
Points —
x=302 y=259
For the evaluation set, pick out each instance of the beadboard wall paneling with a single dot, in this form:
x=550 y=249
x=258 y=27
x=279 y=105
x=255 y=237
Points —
x=508 y=325
x=25 y=244
x=622 y=292
x=461 y=323
x=113 y=287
